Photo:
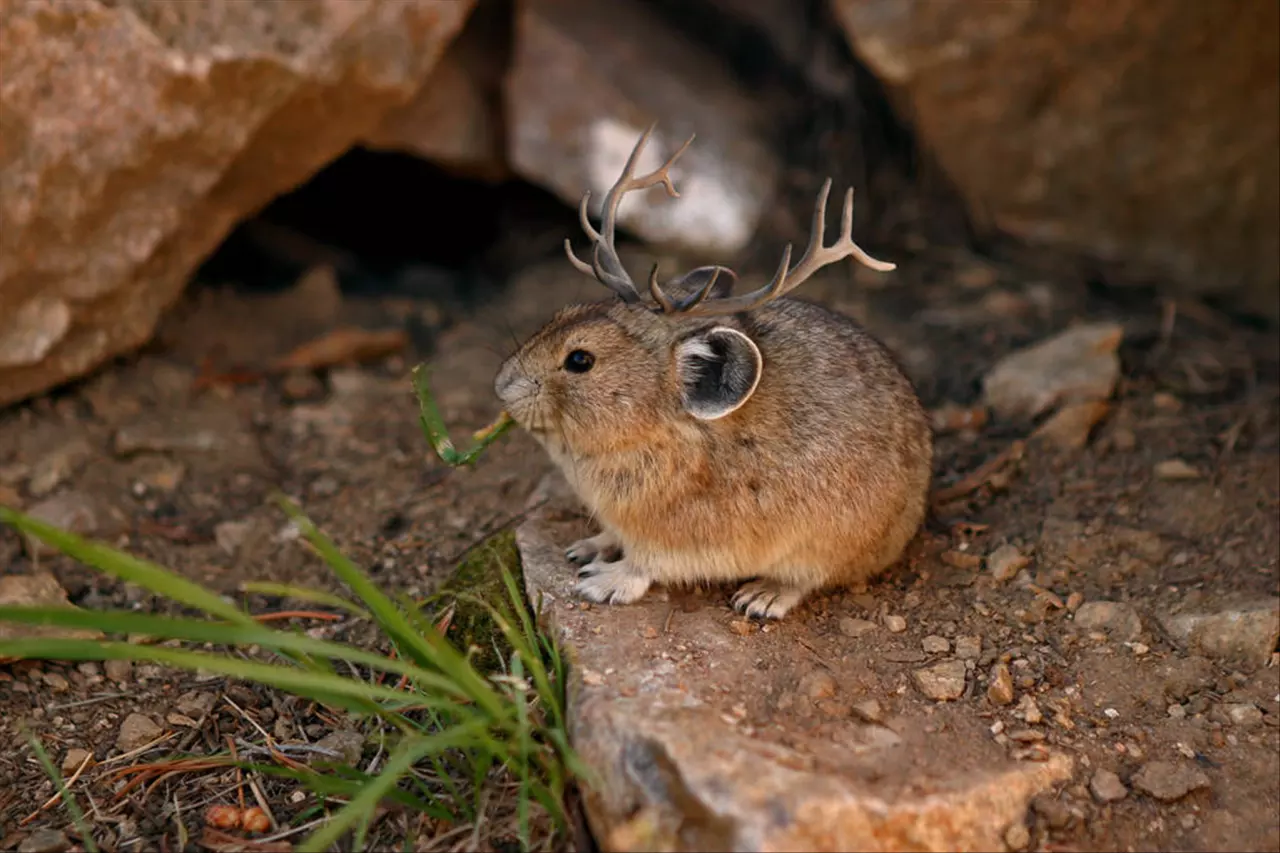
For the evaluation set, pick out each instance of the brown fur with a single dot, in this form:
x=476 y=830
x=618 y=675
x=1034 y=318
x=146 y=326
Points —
x=820 y=478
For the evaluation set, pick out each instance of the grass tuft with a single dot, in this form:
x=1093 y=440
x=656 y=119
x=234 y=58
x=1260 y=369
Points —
x=448 y=724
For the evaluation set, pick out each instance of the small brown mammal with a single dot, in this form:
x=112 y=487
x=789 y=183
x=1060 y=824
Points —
x=722 y=438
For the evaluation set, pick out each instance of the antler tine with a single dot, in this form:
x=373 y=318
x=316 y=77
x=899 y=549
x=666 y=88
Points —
x=606 y=265
x=619 y=284
x=816 y=256
x=669 y=305
x=666 y=303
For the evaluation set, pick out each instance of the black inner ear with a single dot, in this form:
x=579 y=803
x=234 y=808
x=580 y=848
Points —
x=720 y=371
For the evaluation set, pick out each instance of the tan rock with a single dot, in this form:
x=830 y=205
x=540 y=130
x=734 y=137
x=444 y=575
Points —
x=1121 y=129
x=587 y=78
x=1077 y=364
x=692 y=754
x=455 y=119
x=35 y=590
x=137 y=731
x=1070 y=427
x=137 y=134
x=1241 y=632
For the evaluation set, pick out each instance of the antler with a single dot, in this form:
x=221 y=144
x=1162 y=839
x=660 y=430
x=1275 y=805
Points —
x=816 y=256
x=605 y=264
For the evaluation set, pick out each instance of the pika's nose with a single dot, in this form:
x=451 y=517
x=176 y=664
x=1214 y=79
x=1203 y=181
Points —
x=510 y=384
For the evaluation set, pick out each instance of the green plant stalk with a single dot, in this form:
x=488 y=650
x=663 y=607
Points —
x=301 y=593
x=155 y=579
x=437 y=433
x=191 y=630
x=407 y=753
x=77 y=816
x=348 y=692
x=426 y=647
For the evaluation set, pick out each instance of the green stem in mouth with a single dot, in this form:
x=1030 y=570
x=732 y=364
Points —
x=438 y=434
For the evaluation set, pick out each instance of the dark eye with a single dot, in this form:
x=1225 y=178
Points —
x=579 y=361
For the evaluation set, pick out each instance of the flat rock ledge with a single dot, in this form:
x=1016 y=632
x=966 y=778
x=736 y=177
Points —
x=706 y=732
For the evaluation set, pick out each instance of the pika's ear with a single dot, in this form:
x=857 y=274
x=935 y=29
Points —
x=718 y=371
x=692 y=282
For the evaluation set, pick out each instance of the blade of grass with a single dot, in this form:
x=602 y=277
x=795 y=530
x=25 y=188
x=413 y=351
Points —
x=525 y=748
x=130 y=569
x=301 y=593
x=126 y=567
x=330 y=785
x=73 y=808
x=303 y=682
x=197 y=631
x=437 y=434
x=427 y=648
x=402 y=759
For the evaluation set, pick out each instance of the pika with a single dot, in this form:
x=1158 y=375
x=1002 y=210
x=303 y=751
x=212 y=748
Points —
x=715 y=437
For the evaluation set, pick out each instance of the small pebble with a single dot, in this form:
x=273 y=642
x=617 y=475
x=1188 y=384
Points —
x=119 y=671
x=851 y=627
x=1167 y=781
x=942 y=682
x=1246 y=715
x=1106 y=787
x=742 y=627
x=57 y=682
x=895 y=624
x=73 y=759
x=935 y=645
x=1030 y=711
x=1000 y=688
x=136 y=731
x=818 y=685
x=45 y=841
x=1177 y=712
x=343 y=746
x=869 y=711
x=1176 y=469
x=1006 y=561
x=969 y=647
x=1114 y=618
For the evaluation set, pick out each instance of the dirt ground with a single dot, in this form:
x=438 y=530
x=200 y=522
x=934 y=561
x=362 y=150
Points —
x=149 y=455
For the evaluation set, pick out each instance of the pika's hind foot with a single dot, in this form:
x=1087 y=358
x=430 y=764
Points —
x=611 y=583
x=604 y=547
x=767 y=599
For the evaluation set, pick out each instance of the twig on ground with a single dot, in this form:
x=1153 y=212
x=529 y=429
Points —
x=980 y=476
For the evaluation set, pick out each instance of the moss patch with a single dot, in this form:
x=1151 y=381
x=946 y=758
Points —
x=479 y=573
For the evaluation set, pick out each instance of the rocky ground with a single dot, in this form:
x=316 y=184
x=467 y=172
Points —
x=1096 y=599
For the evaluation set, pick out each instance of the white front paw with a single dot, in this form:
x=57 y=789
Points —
x=611 y=583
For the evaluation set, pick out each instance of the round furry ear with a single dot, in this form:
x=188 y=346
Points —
x=718 y=370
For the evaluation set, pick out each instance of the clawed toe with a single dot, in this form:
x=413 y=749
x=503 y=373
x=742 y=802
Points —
x=765 y=599
x=602 y=547
x=611 y=583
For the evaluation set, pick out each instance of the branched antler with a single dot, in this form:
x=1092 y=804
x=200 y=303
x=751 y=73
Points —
x=607 y=267
x=787 y=278
x=605 y=264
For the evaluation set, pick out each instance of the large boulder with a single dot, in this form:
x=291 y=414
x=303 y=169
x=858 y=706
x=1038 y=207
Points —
x=455 y=120
x=135 y=134
x=585 y=81
x=1142 y=132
